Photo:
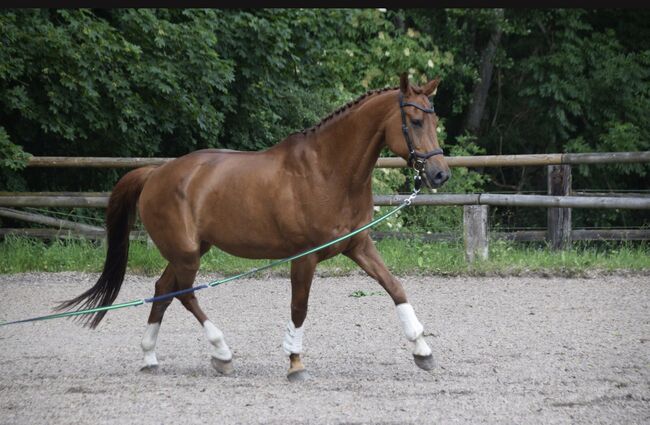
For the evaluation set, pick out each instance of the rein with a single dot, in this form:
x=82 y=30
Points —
x=415 y=159
x=135 y=303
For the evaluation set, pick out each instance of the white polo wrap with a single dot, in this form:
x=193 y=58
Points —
x=216 y=338
x=293 y=339
x=149 y=344
x=410 y=323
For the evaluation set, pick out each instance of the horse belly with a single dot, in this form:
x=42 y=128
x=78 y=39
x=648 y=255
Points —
x=251 y=226
x=243 y=237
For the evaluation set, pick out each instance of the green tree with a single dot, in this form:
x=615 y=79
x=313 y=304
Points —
x=159 y=82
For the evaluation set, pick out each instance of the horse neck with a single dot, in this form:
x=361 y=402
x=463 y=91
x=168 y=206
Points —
x=347 y=148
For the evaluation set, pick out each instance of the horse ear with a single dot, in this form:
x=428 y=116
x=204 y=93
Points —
x=404 y=82
x=431 y=87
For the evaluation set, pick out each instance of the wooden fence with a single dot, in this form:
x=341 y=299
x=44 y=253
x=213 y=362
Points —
x=55 y=199
x=457 y=161
x=559 y=200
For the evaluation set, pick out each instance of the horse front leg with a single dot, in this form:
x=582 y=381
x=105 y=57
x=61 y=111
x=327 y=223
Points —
x=367 y=257
x=302 y=273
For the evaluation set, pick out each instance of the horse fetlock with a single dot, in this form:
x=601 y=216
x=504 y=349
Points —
x=297 y=371
x=216 y=338
x=214 y=334
x=148 y=342
x=150 y=359
x=413 y=329
x=421 y=347
x=292 y=343
x=222 y=352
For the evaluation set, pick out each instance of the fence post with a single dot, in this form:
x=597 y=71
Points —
x=475 y=232
x=559 y=219
x=149 y=241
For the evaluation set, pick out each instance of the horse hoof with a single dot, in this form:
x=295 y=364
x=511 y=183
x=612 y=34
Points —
x=224 y=367
x=424 y=362
x=298 y=376
x=153 y=368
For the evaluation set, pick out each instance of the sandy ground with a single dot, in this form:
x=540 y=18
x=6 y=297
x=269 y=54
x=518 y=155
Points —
x=509 y=350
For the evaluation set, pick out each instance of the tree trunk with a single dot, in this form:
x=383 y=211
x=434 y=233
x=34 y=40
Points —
x=476 y=109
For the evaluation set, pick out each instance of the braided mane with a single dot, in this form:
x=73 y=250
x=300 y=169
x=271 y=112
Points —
x=346 y=107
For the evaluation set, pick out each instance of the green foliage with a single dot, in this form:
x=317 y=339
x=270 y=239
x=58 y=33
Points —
x=164 y=82
x=12 y=160
x=430 y=219
x=565 y=80
x=12 y=156
x=123 y=84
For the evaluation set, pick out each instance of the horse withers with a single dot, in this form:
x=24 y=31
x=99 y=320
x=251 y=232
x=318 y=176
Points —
x=312 y=187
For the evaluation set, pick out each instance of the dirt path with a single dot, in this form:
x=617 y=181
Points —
x=509 y=350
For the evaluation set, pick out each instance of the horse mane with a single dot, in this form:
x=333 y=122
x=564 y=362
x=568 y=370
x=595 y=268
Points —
x=345 y=108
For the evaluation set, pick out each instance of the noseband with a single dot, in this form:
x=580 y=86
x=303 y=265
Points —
x=415 y=159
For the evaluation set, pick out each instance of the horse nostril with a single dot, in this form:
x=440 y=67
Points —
x=440 y=177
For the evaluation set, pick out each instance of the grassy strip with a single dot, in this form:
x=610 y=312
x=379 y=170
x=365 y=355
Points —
x=19 y=254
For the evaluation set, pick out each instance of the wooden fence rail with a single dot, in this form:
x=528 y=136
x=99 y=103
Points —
x=453 y=161
x=382 y=200
x=475 y=205
x=48 y=221
x=518 y=236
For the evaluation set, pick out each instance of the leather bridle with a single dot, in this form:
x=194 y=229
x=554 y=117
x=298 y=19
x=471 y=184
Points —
x=415 y=159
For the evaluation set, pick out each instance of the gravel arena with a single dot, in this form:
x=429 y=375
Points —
x=521 y=350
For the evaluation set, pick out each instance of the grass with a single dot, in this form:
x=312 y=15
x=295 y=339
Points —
x=18 y=254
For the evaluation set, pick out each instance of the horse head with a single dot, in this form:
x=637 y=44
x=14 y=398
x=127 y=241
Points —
x=411 y=132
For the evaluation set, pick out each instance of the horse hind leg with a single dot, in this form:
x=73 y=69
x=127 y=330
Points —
x=221 y=357
x=164 y=285
x=185 y=271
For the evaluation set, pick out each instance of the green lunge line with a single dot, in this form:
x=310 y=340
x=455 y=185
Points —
x=214 y=283
x=76 y=313
x=311 y=251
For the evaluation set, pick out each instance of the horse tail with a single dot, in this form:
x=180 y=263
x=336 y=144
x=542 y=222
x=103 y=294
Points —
x=120 y=216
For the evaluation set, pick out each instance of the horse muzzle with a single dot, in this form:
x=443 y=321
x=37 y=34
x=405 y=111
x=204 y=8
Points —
x=435 y=177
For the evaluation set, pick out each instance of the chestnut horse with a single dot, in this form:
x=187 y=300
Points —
x=311 y=188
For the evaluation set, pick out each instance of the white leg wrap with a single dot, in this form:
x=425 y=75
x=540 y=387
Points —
x=216 y=338
x=421 y=347
x=293 y=339
x=413 y=329
x=148 y=344
x=411 y=325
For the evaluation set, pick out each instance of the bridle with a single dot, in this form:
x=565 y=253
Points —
x=415 y=159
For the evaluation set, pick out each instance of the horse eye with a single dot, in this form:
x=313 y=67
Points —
x=416 y=123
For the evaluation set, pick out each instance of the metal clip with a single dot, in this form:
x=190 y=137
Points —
x=417 y=184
